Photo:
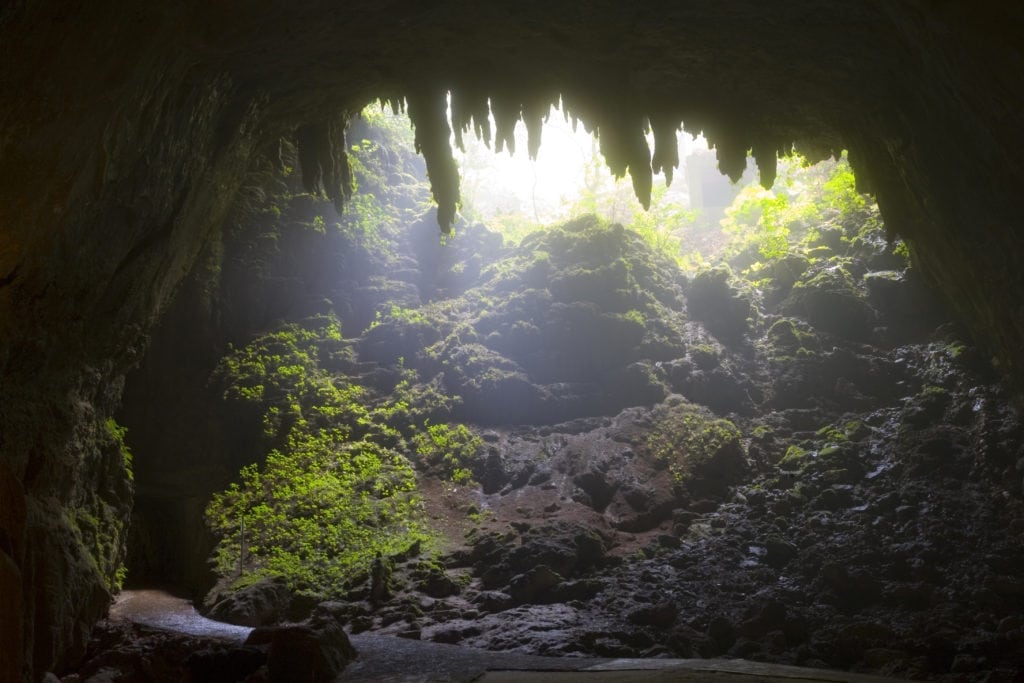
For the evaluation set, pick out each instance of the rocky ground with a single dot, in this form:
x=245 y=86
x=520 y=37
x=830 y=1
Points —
x=865 y=514
x=809 y=465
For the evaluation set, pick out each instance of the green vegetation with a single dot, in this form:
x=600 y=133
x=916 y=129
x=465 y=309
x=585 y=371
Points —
x=772 y=222
x=317 y=513
x=335 y=488
x=453 y=448
x=686 y=437
x=117 y=434
x=788 y=339
x=794 y=458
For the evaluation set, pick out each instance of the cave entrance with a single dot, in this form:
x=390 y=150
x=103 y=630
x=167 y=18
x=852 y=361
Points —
x=656 y=433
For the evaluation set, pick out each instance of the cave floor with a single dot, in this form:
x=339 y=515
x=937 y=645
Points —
x=389 y=658
x=384 y=658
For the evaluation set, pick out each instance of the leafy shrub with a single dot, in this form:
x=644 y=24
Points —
x=773 y=222
x=117 y=434
x=334 y=489
x=316 y=513
x=453 y=448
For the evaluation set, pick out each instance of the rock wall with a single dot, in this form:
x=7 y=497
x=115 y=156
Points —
x=125 y=130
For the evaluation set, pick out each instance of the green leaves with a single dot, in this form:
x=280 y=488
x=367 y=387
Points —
x=685 y=437
x=316 y=513
x=453 y=448
x=335 y=488
x=774 y=221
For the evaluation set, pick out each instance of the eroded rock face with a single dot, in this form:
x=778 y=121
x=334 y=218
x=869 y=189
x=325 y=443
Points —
x=126 y=130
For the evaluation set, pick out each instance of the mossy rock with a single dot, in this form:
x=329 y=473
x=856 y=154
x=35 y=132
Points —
x=722 y=307
x=608 y=286
x=829 y=236
x=781 y=274
x=790 y=338
x=828 y=297
x=494 y=389
x=581 y=342
x=705 y=356
x=906 y=306
x=703 y=452
x=372 y=301
x=398 y=338
x=634 y=385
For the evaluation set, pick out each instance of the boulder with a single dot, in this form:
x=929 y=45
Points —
x=315 y=651
x=263 y=603
x=713 y=300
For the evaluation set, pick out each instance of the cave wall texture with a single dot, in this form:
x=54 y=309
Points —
x=126 y=127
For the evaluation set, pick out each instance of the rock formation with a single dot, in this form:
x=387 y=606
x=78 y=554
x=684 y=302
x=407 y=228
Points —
x=125 y=131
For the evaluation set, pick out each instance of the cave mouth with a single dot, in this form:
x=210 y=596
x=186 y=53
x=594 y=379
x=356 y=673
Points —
x=583 y=439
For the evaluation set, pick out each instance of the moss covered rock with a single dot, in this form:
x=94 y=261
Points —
x=713 y=299
x=830 y=298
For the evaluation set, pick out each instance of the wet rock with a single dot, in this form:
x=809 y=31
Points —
x=722 y=632
x=745 y=649
x=433 y=581
x=686 y=642
x=313 y=651
x=597 y=490
x=493 y=601
x=532 y=586
x=121 y=651
x=779 y=551
x=264 y=602
x=724 y=309
x=770 y=617
x=453 y=633
x=637 y=384
x=1007 y=586
x=661 y=615
x=854 y=639
x=827 y=297
x=583 y=589
x=216 y=664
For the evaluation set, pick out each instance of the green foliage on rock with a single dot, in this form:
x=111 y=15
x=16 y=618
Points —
x=117 y=434
x=687 y=438
x=787 y=339
x=453 y=448
x=316 y=513
x=336 y=487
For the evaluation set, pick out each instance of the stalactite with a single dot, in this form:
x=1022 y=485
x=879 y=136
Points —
x=470 y=112
x=732 y=156
x=323 y=159
x=639 y=162
x=624 y=146
x=396 y=104
x=506 y=111
x=535 y=112
x=813 y=150
x=666 y=146
x=766 y=156
x=338 y=180
x=309 y=140
x=428 y=113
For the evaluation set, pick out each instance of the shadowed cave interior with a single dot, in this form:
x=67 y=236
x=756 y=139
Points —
x=571 y=442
